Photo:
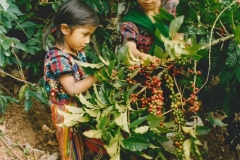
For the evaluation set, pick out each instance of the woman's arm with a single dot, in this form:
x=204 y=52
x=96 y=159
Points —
x=133 y=47
x=72 y=87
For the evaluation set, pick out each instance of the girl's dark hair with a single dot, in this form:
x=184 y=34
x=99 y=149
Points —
x=73 y=13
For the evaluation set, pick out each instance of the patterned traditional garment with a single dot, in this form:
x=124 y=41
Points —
x=137 y=26
x=58 y=63
x=143 y=39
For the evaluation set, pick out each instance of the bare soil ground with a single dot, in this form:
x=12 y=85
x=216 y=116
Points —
x=22 y=135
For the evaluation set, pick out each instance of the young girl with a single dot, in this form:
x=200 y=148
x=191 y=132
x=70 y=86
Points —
x=138 y=28
x=73 y=24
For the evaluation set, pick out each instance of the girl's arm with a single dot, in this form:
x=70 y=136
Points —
x=72 y=87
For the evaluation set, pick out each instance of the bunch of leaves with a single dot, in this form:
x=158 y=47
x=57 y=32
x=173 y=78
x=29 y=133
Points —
x=30 y=91
x=4 y=100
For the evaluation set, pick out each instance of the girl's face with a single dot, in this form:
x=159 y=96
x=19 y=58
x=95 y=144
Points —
x=77 y=38
x=149 y=5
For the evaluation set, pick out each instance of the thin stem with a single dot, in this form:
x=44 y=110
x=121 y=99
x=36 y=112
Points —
x=168 y=112
x=5 y=89
x=142 y=90
x=19 y=66
x=26 y=82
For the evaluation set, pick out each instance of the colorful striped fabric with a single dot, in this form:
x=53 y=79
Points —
x=70 y=144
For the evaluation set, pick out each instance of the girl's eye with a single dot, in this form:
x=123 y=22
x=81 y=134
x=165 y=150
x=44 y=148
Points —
x=85 y=34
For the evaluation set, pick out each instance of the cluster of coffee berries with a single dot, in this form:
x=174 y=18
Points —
x=155 y=101
x=179 y=116
x=173 y=70
x=169 y=81
x=194 y=100
x=134 y=67
x=222 y=33
x=179 y=143
x=192 y=72
x=134 y=98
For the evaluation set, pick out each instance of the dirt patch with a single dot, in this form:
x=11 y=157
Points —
x=22 y=132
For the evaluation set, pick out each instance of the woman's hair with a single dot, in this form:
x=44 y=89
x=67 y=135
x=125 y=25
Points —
x=74 y=13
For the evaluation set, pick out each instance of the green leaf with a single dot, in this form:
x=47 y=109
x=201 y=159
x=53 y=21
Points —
x=20 y=46
x=102 y=123
x=2 y=30
x=237 y=34
x=111 y=67
x=27 y=24
x=4 y=4
x=74 y=110
x=226 y=75
x=122 y=53
x=129 y=92
x=144 y=155
x=91 y=65
x=138 y=121
x=2 y=58
x=154 y=120
x=238 y=72
x=97 y=94
x=159 y=53
x=99 y=76
x=21 y=92
x=187 y=148
x=105 y=74
x=202 y=130
x=175 y=26
x=91 y=112
x=161 y=138
x=122 y=121
x=72 y=119
x=231 y=60
x=113 y=150
x=13 y=11
x=85 y=102
x=163 y=129
x=93 y=134
x=6 y=44
x=165 y=17
x=134 y=73
x=142 y=129
x=135 y=144
x=27 y=104
x=39 y=96
x=103 y=60
x=120 y=73
x=55 y=6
